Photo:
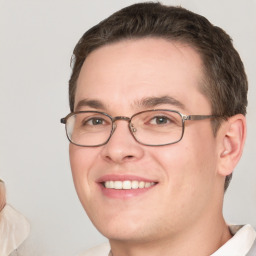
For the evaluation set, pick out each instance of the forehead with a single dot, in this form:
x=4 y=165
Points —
x=127 y=71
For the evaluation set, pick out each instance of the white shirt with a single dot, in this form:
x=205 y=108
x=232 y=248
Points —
x=239 y=245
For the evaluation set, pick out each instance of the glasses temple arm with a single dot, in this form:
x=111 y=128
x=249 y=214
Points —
x=198 y=117
x=63 y=120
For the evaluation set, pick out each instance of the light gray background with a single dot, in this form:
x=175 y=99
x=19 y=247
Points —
x=36 y=43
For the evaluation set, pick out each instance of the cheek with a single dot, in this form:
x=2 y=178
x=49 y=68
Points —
x=188 y=179
x=77 y=161
x=189 y=165
x=81 y=161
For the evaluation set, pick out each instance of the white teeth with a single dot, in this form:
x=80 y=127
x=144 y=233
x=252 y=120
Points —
x=135 y=184
x=107 y=184
x=111 y=184
x=147 y=184
x=127 y=184
x=118 y=185
x=141 y=184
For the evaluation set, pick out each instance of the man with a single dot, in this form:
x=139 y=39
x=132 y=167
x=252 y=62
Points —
x=158 y=99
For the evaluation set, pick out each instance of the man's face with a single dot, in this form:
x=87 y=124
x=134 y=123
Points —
x=119 y=77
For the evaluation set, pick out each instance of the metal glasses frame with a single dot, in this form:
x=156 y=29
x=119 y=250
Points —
x=129 y=119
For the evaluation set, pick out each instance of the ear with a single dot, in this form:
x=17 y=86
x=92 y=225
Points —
x=231 y=138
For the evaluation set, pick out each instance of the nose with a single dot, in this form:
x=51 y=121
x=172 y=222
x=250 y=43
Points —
x=122 y=147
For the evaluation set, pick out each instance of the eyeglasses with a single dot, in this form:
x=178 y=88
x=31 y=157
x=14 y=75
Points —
x=157 y=127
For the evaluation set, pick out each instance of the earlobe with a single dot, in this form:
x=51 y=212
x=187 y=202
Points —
x=232 y=138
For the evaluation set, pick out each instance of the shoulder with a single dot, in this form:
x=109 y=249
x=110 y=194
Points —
x=100 y=250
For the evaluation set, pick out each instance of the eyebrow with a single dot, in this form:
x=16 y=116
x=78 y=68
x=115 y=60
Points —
x=151 y=102
x=148 y=102
x=90 y=103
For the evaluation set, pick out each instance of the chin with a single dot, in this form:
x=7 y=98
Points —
x=128 y=229
x=116 y=228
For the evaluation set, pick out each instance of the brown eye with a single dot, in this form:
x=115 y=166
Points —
x=95 y=121
x=160 y=120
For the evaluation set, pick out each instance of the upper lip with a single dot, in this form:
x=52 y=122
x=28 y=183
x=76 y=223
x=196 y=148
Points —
x=123 y=177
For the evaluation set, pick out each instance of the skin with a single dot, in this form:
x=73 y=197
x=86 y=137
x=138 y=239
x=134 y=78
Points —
x=183 y=212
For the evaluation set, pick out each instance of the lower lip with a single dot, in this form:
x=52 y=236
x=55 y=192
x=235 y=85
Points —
x=124 y=193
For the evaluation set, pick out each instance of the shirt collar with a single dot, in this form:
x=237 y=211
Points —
x=241 y=242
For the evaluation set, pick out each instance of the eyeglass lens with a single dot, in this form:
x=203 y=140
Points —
x=149 y=127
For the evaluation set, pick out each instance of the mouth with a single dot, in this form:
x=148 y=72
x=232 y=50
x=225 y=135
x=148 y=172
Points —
x=125 y=186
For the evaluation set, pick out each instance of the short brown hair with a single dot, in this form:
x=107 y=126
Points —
x=225 y=82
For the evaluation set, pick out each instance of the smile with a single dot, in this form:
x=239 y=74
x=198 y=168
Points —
x=127 y=184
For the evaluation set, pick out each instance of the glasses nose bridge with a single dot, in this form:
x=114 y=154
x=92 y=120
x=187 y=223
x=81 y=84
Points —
x=125 y=118
x=117 y=118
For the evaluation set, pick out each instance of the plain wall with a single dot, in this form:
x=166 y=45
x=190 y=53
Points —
x=36 y=42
